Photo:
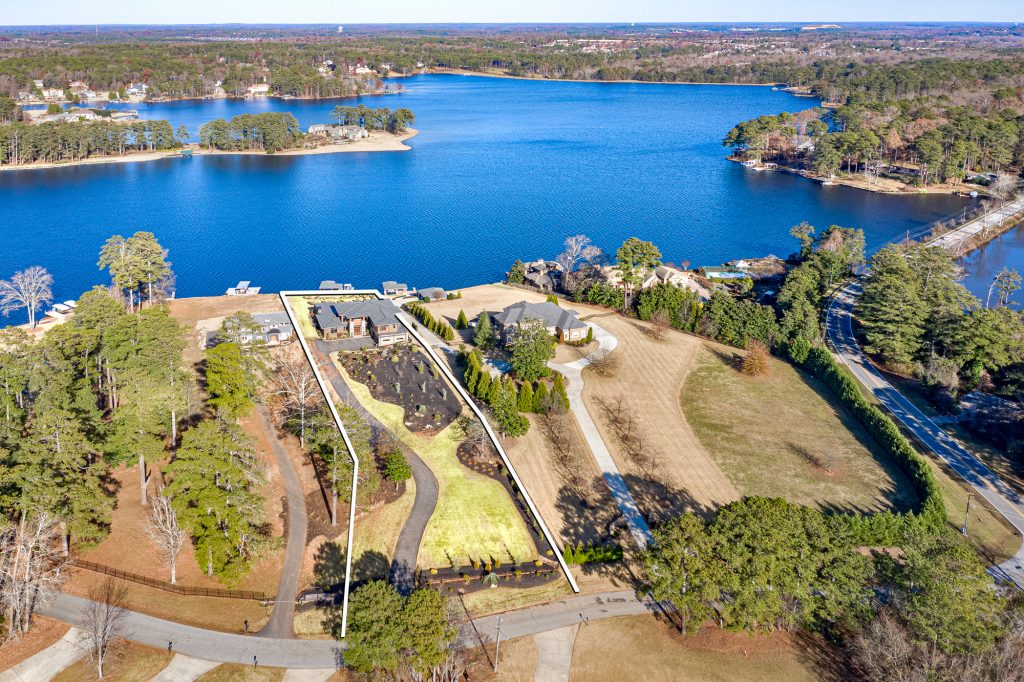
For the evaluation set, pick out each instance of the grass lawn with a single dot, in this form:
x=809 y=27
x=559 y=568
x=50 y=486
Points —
x=502 y=598
x=784 y=435
x=299 y=306
x=642 y=648
x=474 y=518
x=128 y=662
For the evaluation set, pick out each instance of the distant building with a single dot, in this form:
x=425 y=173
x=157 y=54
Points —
x=329 y=285
x=392 y=288
x=374 y=318
x=338 y=133
x=259 y=89
x=664 y=274
x=431 y=293
x=545 y=275
x=276 y=328
x=53 y=94
x=136 y=89
x=561 y=323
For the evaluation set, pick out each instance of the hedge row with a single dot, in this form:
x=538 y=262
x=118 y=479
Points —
x=592 y=554
x=883 y=528
x=439 y=327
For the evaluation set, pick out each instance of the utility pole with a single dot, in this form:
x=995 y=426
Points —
x=967 y=514
x=497 y=641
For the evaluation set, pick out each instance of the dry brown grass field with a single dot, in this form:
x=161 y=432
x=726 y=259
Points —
x=127 y=662
x=648 y=375
x=784 y=434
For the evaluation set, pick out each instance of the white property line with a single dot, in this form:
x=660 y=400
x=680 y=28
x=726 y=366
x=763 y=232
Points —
x=465 y=397
x=348 y=444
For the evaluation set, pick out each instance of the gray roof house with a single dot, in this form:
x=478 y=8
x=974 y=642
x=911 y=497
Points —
x=559 y=322
x=431 y=293
x=393 y=288
x=355 y=319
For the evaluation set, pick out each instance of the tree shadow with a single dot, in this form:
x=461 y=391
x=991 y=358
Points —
x=830 y=663
x=659 y=501
x=329 y=574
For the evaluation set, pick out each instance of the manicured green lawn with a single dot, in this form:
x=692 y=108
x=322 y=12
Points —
x=300 y=306
x=474 y=518
x=784 y=435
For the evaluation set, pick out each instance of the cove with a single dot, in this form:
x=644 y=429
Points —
x=501 y=169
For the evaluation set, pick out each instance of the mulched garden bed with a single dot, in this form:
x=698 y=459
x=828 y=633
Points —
x=318 y=511
x=403 y=375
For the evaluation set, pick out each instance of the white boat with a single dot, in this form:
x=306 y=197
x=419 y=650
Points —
x=750 y=163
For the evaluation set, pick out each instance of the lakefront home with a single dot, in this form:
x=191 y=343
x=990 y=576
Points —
x=560 y=323
x=393 y=288
x=338 y=133
x=356 y=319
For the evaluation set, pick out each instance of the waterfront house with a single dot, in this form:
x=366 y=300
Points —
x=431 y=293
x=276 y=329
x=136 y=90
x=665 y=274
x=338 y=133
x=392 y=288
x=563 y=324
x=53 y=94
x=544 y=275
x=259 y=90
x=38 y=83
x=329 y=285
x=375 y=318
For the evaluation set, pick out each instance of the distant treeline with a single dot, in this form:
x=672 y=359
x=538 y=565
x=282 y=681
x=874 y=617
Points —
x=22 y=143
x=269 y=132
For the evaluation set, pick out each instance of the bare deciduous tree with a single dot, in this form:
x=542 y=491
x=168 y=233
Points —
x=295 y=382
x=29 y=289
x=31 y=560
x=165 y=532
x=103 y=620
x=578 y=250
x=568 y=462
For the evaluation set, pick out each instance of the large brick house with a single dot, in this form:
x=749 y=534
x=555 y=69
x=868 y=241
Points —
x=355 y=319
x=559 y=322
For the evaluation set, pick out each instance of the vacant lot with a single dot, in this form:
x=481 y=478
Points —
x=647 y=376
x=642 y=648
x=784 y=435
x=474 y=517
x=211 y=310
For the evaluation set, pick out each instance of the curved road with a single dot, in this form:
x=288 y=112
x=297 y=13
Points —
x=839 y=327
x=319 y=654
x=282 y=616
x=403 y=564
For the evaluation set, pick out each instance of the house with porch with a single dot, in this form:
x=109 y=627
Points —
x=563 y=324
x=374 y=318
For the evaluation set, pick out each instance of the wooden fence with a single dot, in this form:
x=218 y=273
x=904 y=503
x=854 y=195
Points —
x=168 y=587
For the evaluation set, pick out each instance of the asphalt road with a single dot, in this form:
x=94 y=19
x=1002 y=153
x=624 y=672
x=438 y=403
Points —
x=995 y=492
x=223 y=647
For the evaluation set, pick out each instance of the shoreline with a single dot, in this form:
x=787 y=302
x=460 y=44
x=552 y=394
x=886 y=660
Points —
x=442 y=71
x=856 y=181
x=377 y=142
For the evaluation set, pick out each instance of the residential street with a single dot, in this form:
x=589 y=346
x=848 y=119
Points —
x=839 y=326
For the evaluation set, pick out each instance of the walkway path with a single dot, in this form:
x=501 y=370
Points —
x=573 y=372
x=554 y=654
x=48 y=662
x=403 y=563
x=839 y=326
x=184 y=669
x=282 y=616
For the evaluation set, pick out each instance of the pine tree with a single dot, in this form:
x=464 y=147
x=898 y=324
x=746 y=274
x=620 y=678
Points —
x=526 y=400
x=461 y=322
x=590 y=333
x=483 y=387
x=495 y=390
x=231 y=385
x=559 y=393
x=505 y=410
x=484 y=337
x=214 y=483
x=541 y=398
x=59 y=472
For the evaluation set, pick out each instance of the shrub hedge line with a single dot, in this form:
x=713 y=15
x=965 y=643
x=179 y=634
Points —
x=883 y=528
x=439 y=327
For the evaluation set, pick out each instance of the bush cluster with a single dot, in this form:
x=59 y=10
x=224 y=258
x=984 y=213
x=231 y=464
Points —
x=439 y=327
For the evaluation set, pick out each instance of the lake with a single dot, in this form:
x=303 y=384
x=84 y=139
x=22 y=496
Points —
x=501 y=169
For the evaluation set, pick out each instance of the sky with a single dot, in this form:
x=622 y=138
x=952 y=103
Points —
x=20 y=12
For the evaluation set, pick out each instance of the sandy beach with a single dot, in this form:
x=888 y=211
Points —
x=376 y=142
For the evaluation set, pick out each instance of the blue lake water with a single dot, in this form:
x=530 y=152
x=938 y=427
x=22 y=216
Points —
x=501 y=169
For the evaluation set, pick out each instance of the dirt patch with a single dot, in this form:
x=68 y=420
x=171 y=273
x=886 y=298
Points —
x=405 y=376
x=44 y=632
x=190 y=311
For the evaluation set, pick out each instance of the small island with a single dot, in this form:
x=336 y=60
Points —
x=71 y=141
